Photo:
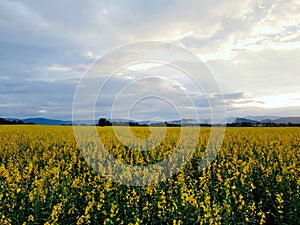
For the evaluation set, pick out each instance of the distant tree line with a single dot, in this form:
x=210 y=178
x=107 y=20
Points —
x=103 y=122
x=4 y=121
x=133 y=124
x=259 y=124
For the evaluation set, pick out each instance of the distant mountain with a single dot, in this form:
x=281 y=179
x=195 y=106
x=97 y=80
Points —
x=194 y=122
x=245 y=120
x=184 y=122
x=230 y=119
x=287 y=120
x=145 y=122
x=12 y=119
x=261 y=118
x=266 y=121
x=122 y=120
x=85 y=122
x=44 y=121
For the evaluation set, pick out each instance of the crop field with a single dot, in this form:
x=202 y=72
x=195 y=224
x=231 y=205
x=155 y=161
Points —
x=44 y=178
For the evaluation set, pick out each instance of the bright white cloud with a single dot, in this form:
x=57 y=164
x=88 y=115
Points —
x=59 y=68
x=279 y=100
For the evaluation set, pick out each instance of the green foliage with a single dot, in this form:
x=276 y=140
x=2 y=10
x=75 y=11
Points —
x=254 y=180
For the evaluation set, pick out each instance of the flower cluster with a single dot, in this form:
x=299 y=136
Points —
x=254 y=179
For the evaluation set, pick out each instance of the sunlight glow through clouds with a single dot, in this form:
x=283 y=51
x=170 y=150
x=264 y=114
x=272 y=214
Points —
x=272 y=101
x=250 y=46
x=142 y=66
x=283 y=100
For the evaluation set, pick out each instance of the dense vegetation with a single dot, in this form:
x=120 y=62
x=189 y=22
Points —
x=254 y=180
x=5 y=121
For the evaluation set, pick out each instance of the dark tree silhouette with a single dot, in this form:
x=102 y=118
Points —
x=4 y=121
x=103 y=122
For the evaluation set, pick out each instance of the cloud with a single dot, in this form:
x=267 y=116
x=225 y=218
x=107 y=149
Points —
x=58 y=68
x=259 y=72
x=23 y=98
x=251 y=47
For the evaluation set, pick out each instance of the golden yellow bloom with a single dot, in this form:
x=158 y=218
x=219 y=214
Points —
x=42 y=166
x=30 y=218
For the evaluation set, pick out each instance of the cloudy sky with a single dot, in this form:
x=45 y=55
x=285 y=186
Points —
x=251 y=48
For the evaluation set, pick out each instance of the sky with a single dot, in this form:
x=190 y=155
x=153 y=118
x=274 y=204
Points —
x=251 y=49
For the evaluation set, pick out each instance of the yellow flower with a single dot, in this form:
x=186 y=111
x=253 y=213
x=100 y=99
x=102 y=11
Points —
x=278 y=178
x=279 y=198
x=30 y=218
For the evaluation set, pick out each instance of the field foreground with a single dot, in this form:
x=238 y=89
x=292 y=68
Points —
x=44 y=179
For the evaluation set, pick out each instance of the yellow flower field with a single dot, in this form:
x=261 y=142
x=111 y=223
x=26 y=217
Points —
x=44 y=179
